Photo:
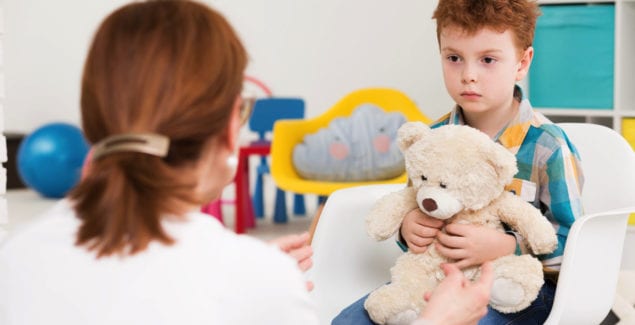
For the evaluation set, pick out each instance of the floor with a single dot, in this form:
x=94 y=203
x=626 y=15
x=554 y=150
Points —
x=25 y=205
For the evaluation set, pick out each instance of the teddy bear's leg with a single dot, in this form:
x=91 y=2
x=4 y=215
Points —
x=517 y=281
x=395 y=303
x=400 y=301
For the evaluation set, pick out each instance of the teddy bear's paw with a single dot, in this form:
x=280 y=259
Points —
x=544 y=246
x=506 y=293
x=403 y=318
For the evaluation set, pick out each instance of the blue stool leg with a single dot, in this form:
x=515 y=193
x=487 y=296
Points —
x=280 y=212
x=322 y=199
x=258 y=198
x=298 y=205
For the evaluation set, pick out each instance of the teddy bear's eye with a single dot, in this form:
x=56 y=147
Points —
x=423 y=178
x=442 y=185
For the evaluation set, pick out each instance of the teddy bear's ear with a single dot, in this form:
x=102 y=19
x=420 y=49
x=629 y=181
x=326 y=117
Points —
x=504 y=163
x=410 y=133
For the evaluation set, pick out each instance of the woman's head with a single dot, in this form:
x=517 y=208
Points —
x=172 y=68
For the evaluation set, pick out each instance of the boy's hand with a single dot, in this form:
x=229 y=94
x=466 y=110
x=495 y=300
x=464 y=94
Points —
x=297 y=246
x=419 y=230
x=473 y=245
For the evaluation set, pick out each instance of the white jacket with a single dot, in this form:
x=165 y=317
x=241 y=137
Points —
x=209 y=276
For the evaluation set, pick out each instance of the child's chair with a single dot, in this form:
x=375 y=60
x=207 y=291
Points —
x=343 y=273
x=266 y=112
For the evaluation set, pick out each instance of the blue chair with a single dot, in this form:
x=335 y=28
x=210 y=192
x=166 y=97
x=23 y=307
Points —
x=265 y=113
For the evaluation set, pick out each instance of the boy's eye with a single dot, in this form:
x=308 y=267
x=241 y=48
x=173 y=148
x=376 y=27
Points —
x=489 y=60
x=454 y=58
x=423 y=178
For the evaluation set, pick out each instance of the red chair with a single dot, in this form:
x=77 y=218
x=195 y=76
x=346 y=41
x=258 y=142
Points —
x=266 y=112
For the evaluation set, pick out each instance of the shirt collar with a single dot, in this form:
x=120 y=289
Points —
x=512 y=135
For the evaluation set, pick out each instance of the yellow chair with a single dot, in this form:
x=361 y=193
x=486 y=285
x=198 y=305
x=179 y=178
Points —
x=288 y=133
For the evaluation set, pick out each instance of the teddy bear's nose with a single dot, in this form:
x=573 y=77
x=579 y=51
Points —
x=429 y=204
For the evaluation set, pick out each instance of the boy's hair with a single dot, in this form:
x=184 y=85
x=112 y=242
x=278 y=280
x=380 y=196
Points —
x=472 y=15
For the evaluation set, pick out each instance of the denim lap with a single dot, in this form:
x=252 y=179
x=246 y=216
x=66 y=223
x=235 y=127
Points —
x=536 y=313
x=354 y=314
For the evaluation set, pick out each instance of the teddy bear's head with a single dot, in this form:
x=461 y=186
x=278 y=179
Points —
x=454 y=167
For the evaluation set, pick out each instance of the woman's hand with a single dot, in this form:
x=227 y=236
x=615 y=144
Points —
x=297 y=246
x=456 y=300
x=419 y=230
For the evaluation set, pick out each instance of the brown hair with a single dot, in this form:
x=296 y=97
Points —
x=173 y=68
x=472 y=15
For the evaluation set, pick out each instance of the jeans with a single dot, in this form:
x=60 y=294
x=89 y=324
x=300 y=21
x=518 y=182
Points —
x=536 y=313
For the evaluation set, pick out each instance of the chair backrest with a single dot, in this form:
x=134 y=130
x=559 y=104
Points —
x=268 y=110
x=592 y=256
x=349 y=264
x=287 y=134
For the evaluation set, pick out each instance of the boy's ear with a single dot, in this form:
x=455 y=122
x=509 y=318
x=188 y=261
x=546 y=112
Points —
x=525 y=62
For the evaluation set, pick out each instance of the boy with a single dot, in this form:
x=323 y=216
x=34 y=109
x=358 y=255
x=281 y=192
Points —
x=485 y=49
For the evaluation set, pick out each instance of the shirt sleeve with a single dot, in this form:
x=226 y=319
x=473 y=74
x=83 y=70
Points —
x=560 y=195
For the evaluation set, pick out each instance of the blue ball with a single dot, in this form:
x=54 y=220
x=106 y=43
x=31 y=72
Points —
x=50 y=159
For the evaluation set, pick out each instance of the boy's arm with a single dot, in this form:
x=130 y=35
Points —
x=560 y=197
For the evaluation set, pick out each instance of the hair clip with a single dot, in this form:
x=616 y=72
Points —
x=148 y=143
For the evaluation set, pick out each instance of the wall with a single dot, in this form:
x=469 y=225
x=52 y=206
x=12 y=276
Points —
x=319 y=50
x=4 y=216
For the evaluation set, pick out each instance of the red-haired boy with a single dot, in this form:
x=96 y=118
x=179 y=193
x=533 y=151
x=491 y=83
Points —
x=486 y=48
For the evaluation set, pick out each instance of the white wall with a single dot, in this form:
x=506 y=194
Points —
x=316 y=49
x=4 y=216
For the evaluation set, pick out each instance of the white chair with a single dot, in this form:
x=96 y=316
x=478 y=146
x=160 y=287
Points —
x=349 y=264
x=592 y=256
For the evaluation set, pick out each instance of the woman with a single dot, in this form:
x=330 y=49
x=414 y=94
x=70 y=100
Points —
x=160 y=101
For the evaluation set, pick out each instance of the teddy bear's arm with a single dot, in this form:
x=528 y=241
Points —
x=537 y=231
x=384 y=218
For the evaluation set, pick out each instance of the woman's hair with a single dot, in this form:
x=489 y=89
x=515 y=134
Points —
x=519 y=16
x=173 y=68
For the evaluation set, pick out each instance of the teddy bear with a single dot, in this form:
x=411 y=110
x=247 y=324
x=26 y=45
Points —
x=457 y=174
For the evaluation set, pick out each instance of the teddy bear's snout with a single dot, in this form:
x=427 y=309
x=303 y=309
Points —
x=429 y=204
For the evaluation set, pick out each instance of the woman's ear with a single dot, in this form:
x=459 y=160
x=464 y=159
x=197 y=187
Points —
x=525 y=63
x=233 y=129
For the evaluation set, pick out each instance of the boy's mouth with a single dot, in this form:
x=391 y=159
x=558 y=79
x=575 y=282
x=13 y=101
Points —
x=470 y=95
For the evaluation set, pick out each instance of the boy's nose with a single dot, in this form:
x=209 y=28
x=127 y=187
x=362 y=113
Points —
x=468 y=75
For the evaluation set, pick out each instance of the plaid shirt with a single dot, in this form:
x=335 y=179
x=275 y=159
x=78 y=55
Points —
x=549 y=174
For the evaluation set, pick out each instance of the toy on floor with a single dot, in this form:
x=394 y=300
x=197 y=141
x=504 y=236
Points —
x=457 y=174
x=50 y=159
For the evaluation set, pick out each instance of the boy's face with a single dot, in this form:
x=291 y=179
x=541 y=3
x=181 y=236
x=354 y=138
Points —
x=481 y=69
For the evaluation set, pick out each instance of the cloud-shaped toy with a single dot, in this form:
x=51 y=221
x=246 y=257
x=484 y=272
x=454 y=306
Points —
x=361 y=147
